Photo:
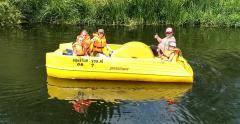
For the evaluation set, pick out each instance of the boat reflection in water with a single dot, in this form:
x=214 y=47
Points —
x=82 y=93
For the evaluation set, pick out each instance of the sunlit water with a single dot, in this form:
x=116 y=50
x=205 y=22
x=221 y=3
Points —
x=27 y=95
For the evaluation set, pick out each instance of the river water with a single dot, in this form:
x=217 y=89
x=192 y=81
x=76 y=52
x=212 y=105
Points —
x=27 y=95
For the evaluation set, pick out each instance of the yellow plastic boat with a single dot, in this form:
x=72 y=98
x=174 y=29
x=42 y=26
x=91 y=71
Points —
x=133 y=61
x=67 y=89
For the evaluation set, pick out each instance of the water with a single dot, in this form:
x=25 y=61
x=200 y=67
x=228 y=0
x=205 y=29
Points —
x=27 y=95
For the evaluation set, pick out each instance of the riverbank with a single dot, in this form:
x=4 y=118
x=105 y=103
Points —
x=215 y=13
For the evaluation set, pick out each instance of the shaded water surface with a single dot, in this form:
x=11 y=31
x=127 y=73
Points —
x=27 y=95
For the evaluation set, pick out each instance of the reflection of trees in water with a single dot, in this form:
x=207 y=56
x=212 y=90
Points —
x=214 y=95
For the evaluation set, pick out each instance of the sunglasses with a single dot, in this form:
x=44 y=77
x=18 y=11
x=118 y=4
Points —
x=168 y=32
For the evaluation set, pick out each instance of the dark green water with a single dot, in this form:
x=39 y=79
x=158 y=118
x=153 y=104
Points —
x=214 y=55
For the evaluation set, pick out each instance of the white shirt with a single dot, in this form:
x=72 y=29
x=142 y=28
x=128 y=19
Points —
x=165 y=42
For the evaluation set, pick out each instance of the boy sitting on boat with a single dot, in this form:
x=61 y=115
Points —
x=171 y=53
x=99 y=45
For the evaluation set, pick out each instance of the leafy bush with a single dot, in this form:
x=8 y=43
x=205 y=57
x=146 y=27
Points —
x=9 y=15
x=64 y=11
x=29 y=9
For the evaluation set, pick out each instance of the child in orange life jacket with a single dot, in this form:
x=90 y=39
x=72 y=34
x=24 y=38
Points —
x=82 y=44
x=172 y=53
x=99 y=43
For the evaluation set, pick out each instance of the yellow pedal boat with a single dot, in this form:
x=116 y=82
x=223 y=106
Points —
x=133 y=61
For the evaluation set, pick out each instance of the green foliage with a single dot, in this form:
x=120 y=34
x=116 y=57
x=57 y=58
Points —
x=29 y=9
x=128 y=12
x=9 y=15
x=64 y=11
x=110 y=12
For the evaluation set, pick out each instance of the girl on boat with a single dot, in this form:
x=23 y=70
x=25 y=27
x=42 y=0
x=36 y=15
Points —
x=82 y=44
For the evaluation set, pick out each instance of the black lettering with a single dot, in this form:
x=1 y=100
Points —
x=84 y=60
x=76 y=60
x=119 y=68
x=79 y=64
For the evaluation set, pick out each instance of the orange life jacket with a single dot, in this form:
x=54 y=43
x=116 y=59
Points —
x=176 y=51
x=99 y=44
x=82 y=47
x=86 y=42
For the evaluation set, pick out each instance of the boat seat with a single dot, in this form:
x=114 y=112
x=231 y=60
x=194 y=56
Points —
x=133 y=49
